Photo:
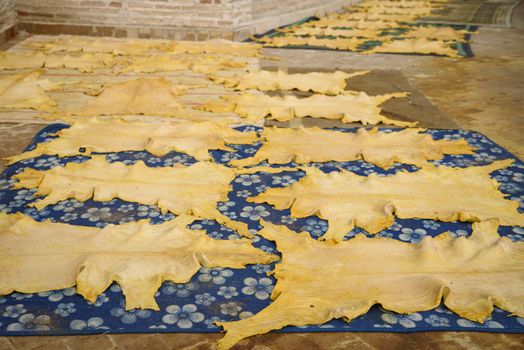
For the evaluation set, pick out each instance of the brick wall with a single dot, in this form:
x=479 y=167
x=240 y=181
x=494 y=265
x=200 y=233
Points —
x=174 y=19
x=7 y=20
x=169 y=19
x=259 y=16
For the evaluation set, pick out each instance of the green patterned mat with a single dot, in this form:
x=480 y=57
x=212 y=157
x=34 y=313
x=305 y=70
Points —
x=463 y=48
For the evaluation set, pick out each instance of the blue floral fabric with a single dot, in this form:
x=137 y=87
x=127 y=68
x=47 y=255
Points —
x=227 y=294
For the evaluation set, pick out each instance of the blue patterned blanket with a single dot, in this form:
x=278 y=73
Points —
x=223 y=293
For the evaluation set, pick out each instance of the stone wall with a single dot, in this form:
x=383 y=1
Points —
x=7 y=20
x=169 y=19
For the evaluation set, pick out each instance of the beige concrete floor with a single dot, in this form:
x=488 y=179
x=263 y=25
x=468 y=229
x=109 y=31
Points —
x=483 y=94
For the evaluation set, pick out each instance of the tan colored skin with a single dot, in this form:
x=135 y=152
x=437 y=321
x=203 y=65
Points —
x=25 y=91
x=350 y=44
x=95 y=135
x=348 y=107
x=408 y=146
x=416 y=45
x=204 y=64
x=193 y=190
x=318 y=282
x=148 y=96
x=114 y=46
x=322 y=83
x=42 y=256
x=372 y=202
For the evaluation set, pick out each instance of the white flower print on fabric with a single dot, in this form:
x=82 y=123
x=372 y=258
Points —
x=154 y=160
x=115 y=288
x=261 y=288
x=437 y=321
x=225 y=206
x=443 y=310
x=484 y=157
x=91 y=323
x=96 y=214
x=210 y=322
x=243 y=193
x=510 y=187
x=287 y=219
x=430 y=224
x=65 y=309
x=517 y=235
x=267 y=249
x=247 y=180
x=58 y=295
x=126 y=220
x=228 y=156
x=216 y=235
x=254 y=213
x=4 y=208
x=161 y=326
x=314 y=226
x=30 y=322
x=205 y=299
x=226 y=209
x=112 y=157
x=250 y=129
x=14 y=311
x=488 y=323
x=227 y=292
x=230 y=308
x=25 y=195
x=250 y=150
x=377 y=326
x=167 y=216
x=47 y=162
x=261 y=188
x=395 y=227
x=68 y=205
x=459 y=233
x=36 y=214
x=196 y=227
x=519 y=199
x=20 y=296
x=385 y=234
x=6 y=183
x=181 y=290
x=100 y=300
x=327 y=326
x=131 y=316
x=233 y=236
x=261 y=268
x=217 y=275
x=284 y=181
x=148 y=211
x=410 y=235
x=125 y=208
x=69 y=217
x=183 y=317
x=406 y=321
